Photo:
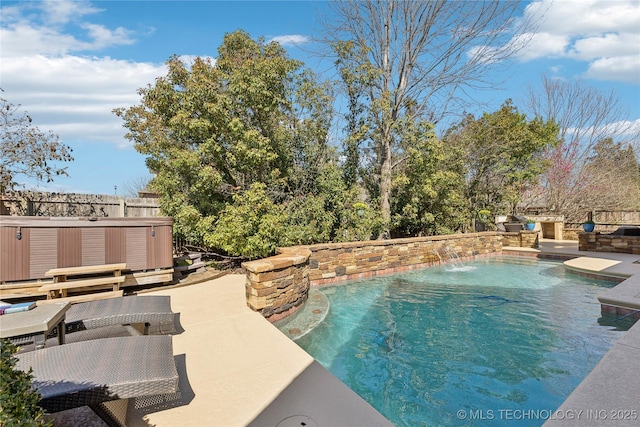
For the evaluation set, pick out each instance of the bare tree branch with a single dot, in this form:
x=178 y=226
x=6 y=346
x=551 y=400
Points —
x=25 y=151
x=424 y=52
x=586 y=117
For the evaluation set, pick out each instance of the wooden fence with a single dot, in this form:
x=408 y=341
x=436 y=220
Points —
x=616 y=218
x=77 y=205
x=607 y=221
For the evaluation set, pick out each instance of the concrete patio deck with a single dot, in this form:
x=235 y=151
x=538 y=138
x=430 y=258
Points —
x=242 y=371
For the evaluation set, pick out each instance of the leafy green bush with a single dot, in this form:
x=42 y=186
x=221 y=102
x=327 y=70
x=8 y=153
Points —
x=18 y=400
x=307 y=221
x=253 y=226
x=484 y=216
x=357 y=221
x=428 y=196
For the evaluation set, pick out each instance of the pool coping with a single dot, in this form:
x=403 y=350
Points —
x=609 y=394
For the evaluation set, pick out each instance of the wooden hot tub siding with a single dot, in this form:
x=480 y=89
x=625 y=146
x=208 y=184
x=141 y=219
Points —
x=46 y=243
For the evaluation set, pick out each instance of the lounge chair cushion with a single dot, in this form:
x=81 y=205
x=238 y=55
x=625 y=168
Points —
x=119 y=311
x=91 y=372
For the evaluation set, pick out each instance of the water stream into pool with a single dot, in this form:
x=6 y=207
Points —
x=443 y=347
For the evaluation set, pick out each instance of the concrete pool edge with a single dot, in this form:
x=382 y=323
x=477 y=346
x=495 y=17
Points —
x=608 y=395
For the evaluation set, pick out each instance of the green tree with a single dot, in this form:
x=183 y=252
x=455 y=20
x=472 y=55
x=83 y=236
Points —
x=27 y=152
x=356 y=220
x=357 y=75
x=428 y=196
x=212 y=130
x=313 y=157
x=240 y=151
x=504 y=153
x=252 y=226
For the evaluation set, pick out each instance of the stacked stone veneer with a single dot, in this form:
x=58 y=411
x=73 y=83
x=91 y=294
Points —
x=342 y=261
x=571 y=233
x=277 y=286
x=597 y=242
x=522 y=239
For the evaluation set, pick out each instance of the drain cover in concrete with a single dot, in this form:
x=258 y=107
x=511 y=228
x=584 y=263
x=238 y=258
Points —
x=297 y=421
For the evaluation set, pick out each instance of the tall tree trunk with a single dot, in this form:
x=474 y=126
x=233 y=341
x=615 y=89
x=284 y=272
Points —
x=385 y=149
x=385 y=188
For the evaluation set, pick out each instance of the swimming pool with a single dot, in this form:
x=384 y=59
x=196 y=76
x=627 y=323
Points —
x=498 y=341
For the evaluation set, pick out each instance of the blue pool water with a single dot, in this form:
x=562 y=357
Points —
x=498 y=341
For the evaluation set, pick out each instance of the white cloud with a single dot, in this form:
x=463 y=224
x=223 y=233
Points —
x=63 y=11
x=74 y=96
x=101 y=36
x=290 y=40
x=626 y=131
x=603 y=33
x=555 y=69
x=71 y=95
x=40 y=28
x=23 y=39
x=622 y=68
x=589 y=17
x=544 y=45
x=610 y=44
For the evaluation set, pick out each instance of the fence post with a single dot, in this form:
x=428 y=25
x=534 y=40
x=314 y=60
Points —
x=29 y=207
x=123 y=208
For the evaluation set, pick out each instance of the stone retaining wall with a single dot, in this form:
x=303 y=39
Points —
x=277 y=286
x=597 y=242
x=333 y=262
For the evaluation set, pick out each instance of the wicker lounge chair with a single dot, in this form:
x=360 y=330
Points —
x=120 y=311
x=98 y=372
x=112 y=317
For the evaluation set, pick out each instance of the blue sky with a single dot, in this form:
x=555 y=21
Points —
x=69 y=63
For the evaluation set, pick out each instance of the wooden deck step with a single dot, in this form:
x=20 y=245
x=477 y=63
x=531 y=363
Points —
x=7 y=295
x=80 y=283
x=23 y=289
x=84 y=298
x=20 y=285
x=87 y=269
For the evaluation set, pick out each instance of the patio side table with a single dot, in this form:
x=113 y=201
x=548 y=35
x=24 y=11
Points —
x=36 y=323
